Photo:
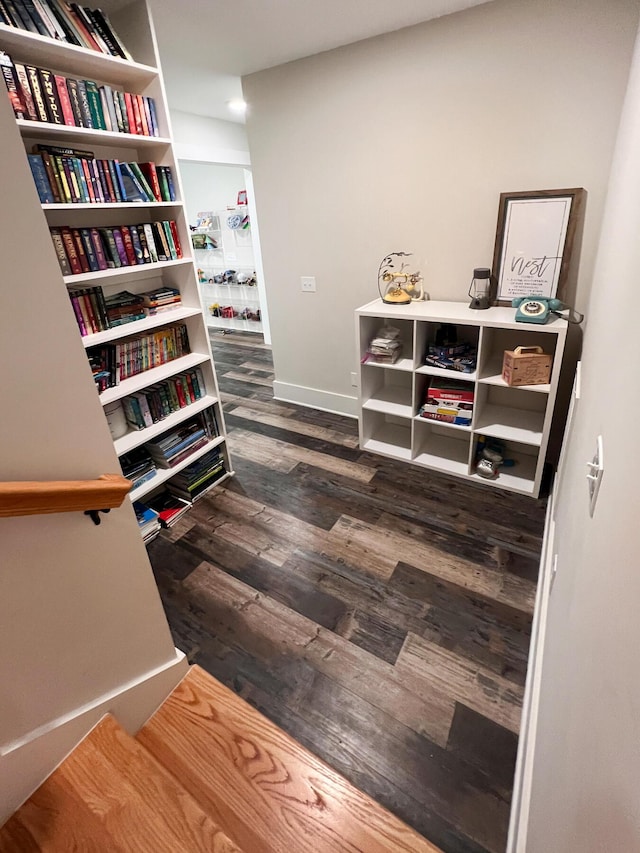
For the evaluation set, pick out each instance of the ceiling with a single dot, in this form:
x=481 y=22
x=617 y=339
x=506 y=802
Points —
x=207 y=45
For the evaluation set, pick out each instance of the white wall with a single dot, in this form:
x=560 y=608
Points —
x=209 y=186
x=586 y=772
x=208 y=140
x=404 y=142
x=80 y=614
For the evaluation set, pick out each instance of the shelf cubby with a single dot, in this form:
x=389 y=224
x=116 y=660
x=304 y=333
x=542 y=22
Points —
x=387 y=434
x=441 y=446
x=387 y=391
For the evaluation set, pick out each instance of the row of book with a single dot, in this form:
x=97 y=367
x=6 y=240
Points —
x=38 y=94
x=176 y=445
x=95 y=312
x=113 y=363
x=66 y=22
x=81 y=250
x=70 y=176
x=157 y=402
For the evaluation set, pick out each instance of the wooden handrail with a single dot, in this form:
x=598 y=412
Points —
x=36 y=498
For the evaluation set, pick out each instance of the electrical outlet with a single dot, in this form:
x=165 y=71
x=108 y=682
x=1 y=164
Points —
x=354 y=380
x=308 y=283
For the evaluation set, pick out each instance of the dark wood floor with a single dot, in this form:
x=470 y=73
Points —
x=378 y=613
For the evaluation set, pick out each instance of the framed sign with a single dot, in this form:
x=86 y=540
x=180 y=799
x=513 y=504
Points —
x=534 y=239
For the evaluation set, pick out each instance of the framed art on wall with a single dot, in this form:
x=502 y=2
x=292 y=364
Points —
x=534 y=239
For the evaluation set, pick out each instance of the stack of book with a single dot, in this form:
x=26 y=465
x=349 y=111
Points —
x=138 y=466
x=111 y=363
x=75 y=176
x=168 y=508
x=37 y=94
x=177 y=445
x=123 y=307
x=148 y=521
x=82 y=250
x=195 y=479
x=67 y=22
x=155 y=403
x=161 y=299
x=96 y=313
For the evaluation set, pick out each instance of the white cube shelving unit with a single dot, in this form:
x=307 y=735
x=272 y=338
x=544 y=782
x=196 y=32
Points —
x=391 y=394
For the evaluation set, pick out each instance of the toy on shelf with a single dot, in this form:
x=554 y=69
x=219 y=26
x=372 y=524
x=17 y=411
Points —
x=490 y=457
x=398 y=285
x=448 y=353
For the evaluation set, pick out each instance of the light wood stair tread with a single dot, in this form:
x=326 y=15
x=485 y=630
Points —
x=111 y=795
x=266 y=792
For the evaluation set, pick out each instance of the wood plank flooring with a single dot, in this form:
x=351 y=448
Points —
x=259 y=785
x=378 y=613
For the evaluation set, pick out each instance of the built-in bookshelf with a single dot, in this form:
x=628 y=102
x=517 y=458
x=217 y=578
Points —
x=110 y=191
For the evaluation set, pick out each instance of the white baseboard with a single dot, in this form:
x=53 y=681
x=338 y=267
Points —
x=325 y=401
x=26 y=763
x=519 y=820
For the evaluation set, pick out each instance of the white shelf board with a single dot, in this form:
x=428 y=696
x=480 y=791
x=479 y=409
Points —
x=150 y=377
x=117 y=272
x=392 y=400
x=405 y=364
x=448 y=455
x=138 y=326
x=433 y=422
x=236 y=323
x=510 y=424
x=80 y=61
x=137 y=437
x=73 y=135
x=109 y=205
x=163 y=474
x=427 y=370
x=492 y=375
x=456 y=312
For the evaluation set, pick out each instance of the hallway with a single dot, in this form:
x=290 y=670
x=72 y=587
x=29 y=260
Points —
x=379 y=614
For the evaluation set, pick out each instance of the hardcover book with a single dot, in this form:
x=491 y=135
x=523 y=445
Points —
x=50 y=96
x=65 y=100
x=25 y=90
x=76 y=106
x=40 y=178
x=87 y=118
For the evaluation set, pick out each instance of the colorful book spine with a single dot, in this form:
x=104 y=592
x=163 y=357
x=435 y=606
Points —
x=40 y=178
x=65 y=100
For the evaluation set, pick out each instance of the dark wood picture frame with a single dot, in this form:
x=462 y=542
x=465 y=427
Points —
x=543 y=270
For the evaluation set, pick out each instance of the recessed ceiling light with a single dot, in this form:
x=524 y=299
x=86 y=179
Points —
x=237 y=105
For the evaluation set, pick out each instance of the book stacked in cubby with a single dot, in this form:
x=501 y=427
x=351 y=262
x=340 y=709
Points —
x=96 y=312
x=197 y=478
x=148 y=521
x=75 y=176
x=65 y=22
x=112 y=363
x=153 y=404
x=81 y=250
x=167 y=507
x=175 y=446
x=37 y=94
x=137 y=466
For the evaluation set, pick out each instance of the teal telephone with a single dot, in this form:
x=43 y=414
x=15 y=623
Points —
x=535 y=309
